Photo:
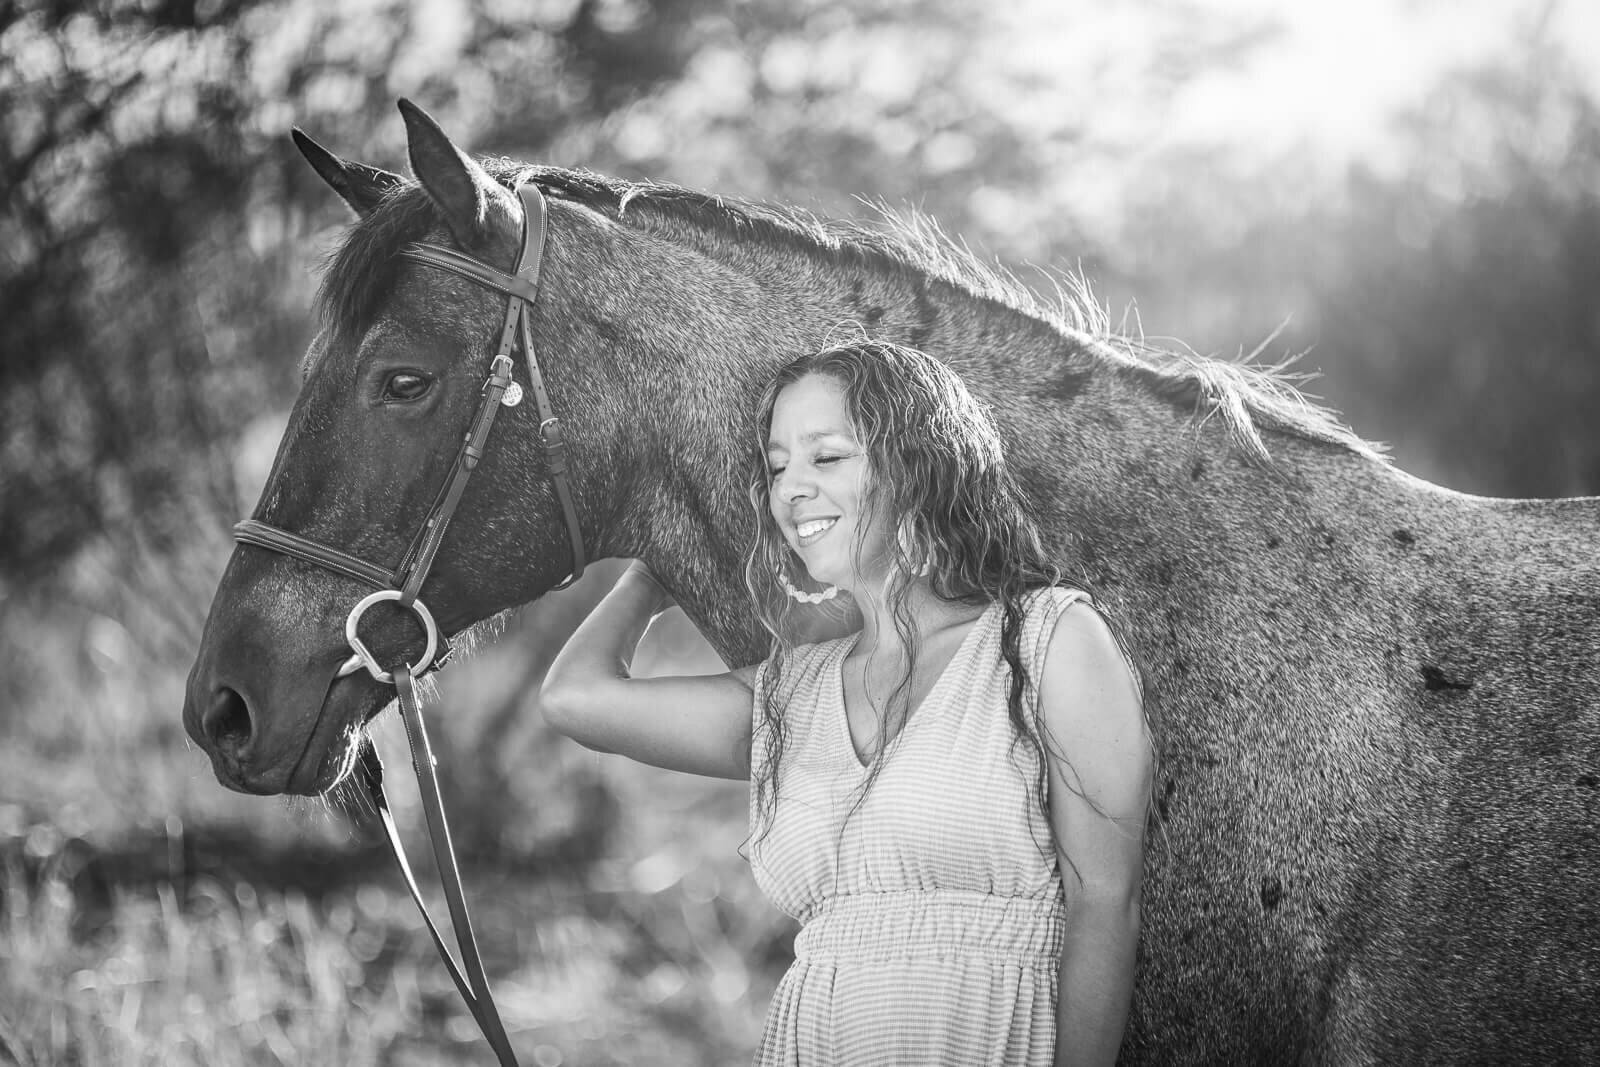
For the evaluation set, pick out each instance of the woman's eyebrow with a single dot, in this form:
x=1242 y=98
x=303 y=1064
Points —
x=810 y=436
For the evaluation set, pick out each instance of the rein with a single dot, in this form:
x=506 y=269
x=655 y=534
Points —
x=403 y=584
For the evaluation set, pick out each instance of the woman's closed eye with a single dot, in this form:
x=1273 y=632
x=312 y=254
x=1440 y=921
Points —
x=826 y=459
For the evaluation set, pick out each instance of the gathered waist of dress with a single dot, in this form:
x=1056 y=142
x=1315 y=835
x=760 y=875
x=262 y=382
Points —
x=934 y=924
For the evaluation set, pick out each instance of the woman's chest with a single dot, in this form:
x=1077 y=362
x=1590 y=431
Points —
x=951 y=806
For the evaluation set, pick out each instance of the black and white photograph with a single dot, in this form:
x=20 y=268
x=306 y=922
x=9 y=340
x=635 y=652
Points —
x=805 y=533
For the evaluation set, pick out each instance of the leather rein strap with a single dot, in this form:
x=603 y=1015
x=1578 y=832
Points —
x=404 y=583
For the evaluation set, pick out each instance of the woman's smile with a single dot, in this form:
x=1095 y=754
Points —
x=809 y=531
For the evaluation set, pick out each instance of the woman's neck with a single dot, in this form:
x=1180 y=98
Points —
x=927 y=610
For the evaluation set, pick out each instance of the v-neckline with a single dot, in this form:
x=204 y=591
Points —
x=842 y=717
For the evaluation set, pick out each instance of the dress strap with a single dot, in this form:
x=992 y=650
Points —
x=1039 y=625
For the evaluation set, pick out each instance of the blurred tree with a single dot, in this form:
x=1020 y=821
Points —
x=1462 y=308
x=1446 y=292
x=155 y=287
x=1009 y=126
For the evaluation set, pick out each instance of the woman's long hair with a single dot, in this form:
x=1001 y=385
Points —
x=935 y=462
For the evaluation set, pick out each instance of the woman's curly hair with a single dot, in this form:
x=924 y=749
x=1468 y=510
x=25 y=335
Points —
x=934 y=460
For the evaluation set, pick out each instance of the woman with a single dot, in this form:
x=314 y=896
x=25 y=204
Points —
x=950 y=799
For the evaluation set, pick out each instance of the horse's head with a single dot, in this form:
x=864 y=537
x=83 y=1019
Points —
x=659 y=315
x=391 y=384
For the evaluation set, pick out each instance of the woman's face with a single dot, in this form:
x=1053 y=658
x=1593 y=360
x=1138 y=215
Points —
x=820 y=482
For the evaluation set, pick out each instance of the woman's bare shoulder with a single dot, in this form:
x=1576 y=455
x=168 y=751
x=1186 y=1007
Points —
x=1089 y=696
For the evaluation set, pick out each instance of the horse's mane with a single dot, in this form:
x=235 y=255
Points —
x=1248 y=397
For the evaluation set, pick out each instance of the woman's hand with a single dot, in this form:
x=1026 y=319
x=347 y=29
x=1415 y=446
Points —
x=639 y=571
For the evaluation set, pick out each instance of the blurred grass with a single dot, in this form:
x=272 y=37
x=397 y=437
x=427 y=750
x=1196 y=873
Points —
x=148 y=916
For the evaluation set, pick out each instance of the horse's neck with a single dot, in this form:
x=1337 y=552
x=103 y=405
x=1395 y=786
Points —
x=1107 y=462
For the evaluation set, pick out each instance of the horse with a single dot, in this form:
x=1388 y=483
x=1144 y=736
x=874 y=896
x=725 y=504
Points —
x=1374 y=821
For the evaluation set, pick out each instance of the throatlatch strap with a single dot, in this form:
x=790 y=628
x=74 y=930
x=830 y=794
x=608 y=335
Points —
x=466 y=462
x=555 y=458
x=522 y=288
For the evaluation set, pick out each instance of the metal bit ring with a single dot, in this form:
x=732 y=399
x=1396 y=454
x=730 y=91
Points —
x=363 y=656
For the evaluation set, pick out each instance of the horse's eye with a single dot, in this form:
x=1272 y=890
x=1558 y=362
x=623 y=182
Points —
x=403 y=386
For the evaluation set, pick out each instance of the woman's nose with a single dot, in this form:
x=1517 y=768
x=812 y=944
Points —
x=795 y=487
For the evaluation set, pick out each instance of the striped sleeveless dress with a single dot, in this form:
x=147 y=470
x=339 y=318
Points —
x=931 y=920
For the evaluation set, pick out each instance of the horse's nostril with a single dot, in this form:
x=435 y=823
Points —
x=227 y=722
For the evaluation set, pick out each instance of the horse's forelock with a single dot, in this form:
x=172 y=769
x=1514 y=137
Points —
x=360 y=273
x=361 y=270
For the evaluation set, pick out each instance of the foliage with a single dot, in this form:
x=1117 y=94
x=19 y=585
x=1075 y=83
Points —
x=1465 y=307
x=653 y=968
x=157 y=275
x=148 y=917
x=1447 y=299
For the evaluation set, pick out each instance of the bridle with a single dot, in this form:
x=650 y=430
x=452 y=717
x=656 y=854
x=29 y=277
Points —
x=403 y=584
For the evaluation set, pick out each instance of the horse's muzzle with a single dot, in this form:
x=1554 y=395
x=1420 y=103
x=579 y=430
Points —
x=301 y=743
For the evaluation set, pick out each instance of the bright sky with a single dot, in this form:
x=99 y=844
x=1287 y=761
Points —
x=1328 y=81
x=1322 y=83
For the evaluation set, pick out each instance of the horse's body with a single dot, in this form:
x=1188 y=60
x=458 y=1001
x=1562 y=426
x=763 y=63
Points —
x=1375 y=699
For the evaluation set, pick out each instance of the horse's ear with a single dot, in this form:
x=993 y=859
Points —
x=357 y=184
x=475 y=206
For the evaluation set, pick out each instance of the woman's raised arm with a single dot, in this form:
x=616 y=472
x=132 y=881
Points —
x=699 y=724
